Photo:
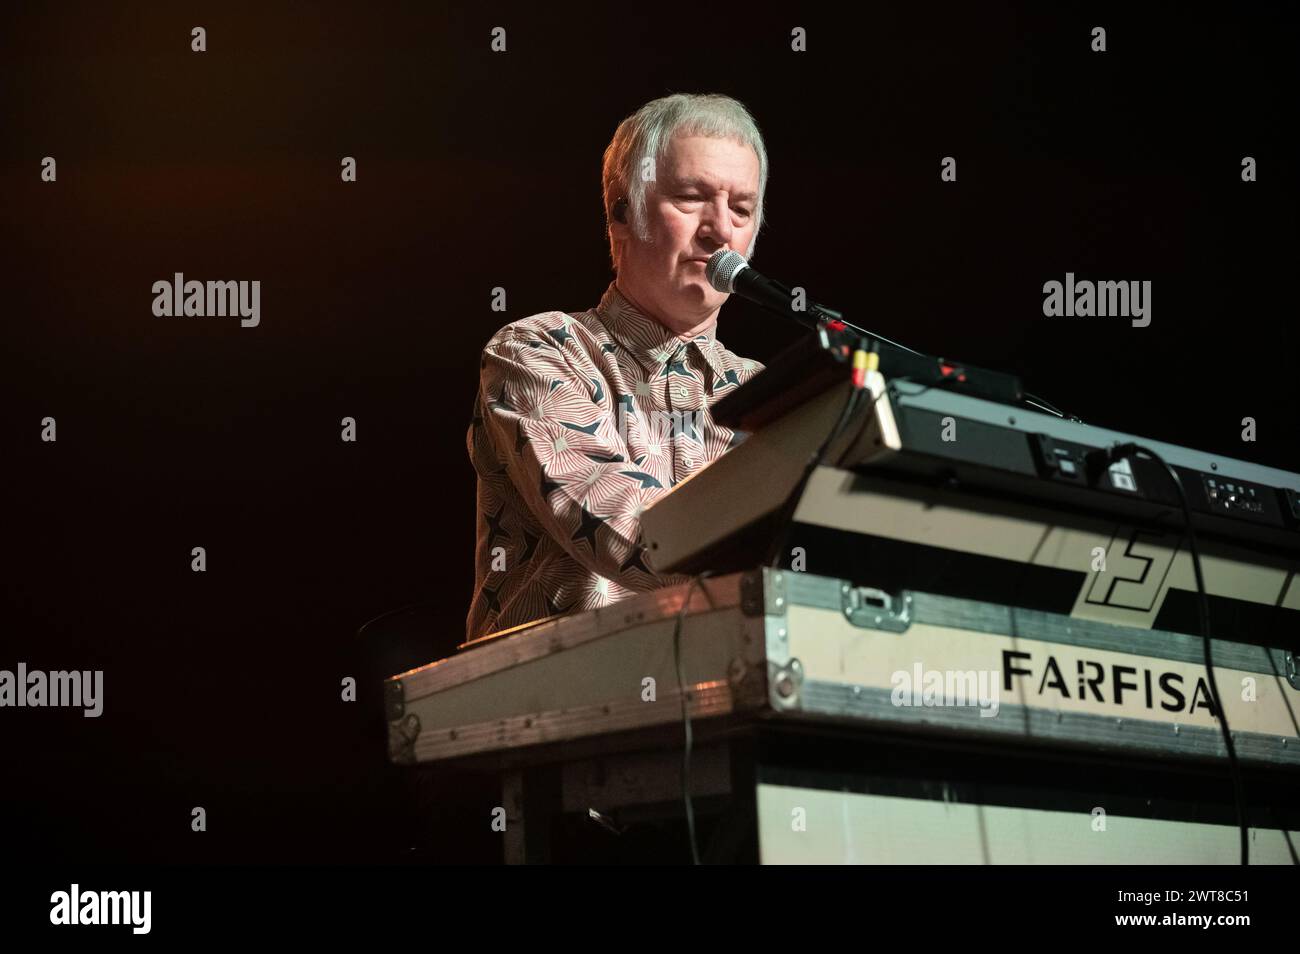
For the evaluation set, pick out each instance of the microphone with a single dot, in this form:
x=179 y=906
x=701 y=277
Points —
x=728 y=272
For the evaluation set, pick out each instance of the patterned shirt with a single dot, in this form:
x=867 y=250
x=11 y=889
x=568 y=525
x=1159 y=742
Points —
x=581 y=422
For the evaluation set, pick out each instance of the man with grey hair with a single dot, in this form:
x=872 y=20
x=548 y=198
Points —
x=584 y=419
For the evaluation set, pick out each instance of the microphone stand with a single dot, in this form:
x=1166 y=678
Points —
x=828 y=322
x=818 y=317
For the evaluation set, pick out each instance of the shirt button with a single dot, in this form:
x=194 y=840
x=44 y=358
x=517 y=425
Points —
x=689 y=462
x=679 y=392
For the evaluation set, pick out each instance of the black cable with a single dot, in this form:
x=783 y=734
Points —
x=1029 y=398
x=686 y=714
x=1042 y=404
x=1118 y=452
x=397 y=612
x=785 y=518
x=1046 y=405
x=786 y=514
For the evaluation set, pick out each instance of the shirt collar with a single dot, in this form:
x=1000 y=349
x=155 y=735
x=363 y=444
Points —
x=647 y=340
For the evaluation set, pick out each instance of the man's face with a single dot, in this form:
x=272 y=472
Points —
x=703 y=199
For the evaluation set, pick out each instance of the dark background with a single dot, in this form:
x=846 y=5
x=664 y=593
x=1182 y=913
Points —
x=477 y=170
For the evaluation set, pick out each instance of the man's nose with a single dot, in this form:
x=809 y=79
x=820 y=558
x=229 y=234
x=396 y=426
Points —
x=716 y=221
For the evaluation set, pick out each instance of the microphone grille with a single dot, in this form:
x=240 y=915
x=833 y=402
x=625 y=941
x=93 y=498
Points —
x=722 y=268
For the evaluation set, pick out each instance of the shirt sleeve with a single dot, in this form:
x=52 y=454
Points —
x=558 y=438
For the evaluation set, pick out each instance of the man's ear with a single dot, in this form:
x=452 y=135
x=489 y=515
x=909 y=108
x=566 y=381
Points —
x=615 y=253
x=618 y=223
x=620 y=236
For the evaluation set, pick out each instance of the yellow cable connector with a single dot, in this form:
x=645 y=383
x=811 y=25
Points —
x=863 y=362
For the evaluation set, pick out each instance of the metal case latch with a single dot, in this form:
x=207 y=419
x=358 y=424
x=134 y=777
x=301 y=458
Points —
x=870 y=608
